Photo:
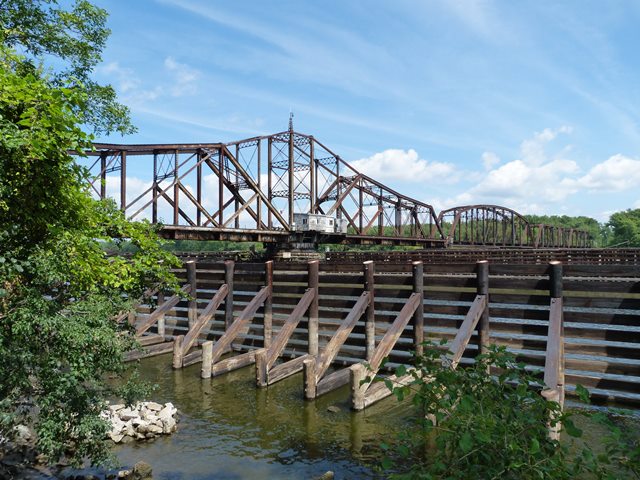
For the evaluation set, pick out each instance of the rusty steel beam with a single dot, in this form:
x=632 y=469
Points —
x=303 y=176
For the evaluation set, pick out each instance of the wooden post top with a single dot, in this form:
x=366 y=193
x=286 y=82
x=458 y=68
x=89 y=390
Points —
x=555 y=278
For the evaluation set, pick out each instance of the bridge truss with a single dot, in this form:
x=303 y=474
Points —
x=500 y=226
x=249 y=190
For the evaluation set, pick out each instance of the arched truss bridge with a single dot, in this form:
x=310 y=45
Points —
x=253 y=189
x=492 y=225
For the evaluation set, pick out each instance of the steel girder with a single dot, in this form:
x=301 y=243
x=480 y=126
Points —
x=230 y=185
x=496 y=225
x=257 y=184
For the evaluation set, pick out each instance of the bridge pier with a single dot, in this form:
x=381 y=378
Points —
x=298 y=247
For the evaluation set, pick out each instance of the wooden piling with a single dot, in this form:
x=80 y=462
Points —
x=190 y=265
x=370 y=321
x=418 y=315
x=161 y=323
x=207 y=359
x=556 y=292
x=555 y=279
x=482 y=288
x=177 y=351
x=229 y=266
x=313 y=282
x=309 y=372
x=268 y=305
x=554 y=426
x=261 y=368
x=358 y=373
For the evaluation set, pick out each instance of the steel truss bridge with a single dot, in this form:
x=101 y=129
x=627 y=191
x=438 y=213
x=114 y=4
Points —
x=249 y=190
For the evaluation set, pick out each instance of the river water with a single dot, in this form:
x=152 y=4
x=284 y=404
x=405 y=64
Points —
x=229 y=429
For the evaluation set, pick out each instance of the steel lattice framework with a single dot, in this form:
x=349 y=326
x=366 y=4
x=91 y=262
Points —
x=501 y=226
x=250 y=189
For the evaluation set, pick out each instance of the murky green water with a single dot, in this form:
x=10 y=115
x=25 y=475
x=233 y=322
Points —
x=229 y=429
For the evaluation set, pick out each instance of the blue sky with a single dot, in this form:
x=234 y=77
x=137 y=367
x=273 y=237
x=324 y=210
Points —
x=531 y=105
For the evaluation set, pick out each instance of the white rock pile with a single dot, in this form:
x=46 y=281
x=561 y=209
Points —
x=145 y=420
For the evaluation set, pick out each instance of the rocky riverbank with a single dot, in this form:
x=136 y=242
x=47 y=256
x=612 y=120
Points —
x=142 y=421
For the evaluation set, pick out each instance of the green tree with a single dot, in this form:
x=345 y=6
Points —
x=59 y=291
x=74 y=38
x=625 y=228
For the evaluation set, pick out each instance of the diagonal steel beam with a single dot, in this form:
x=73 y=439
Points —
x=249 y=180
x=354 y=182
x=198 y=205
x=235 y=194
x=240 y=210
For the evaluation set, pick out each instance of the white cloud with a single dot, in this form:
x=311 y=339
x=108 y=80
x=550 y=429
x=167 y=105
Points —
x=615 y=174
x=128 y=84
x=534 y=183
x=405 y=165
x=490 y=160
x=533 y=149
x=124 y=78
x=185 y=77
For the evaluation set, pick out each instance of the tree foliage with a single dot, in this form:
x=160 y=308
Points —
x=625 y=228
x=74 y=39
x=469 y=424
x=59 y=291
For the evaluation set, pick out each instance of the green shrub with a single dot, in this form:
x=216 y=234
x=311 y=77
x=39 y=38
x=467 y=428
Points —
x=470 y=424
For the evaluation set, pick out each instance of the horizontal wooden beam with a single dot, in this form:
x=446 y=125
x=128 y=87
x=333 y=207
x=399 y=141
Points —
x=286 y=369
x=233 y=363
x=332 y=381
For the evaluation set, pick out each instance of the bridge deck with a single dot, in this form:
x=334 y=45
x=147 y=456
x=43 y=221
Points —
x=181 y=232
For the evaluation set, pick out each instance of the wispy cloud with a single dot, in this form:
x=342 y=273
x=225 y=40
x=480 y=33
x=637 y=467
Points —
x=477 y=15
x=185 y=78
x=240 y=126
x=317 y=53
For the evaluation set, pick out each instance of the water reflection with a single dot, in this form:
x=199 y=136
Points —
x=230 y=429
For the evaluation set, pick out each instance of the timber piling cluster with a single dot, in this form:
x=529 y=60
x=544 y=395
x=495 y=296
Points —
x=336 y=323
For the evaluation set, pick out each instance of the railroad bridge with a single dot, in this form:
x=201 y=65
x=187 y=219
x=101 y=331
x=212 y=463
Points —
x=264 y=189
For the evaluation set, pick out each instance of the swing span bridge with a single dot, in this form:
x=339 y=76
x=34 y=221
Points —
x=249 y=190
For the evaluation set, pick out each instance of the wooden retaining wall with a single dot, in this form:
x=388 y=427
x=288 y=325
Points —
x=601 y=312
x=506 y=255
